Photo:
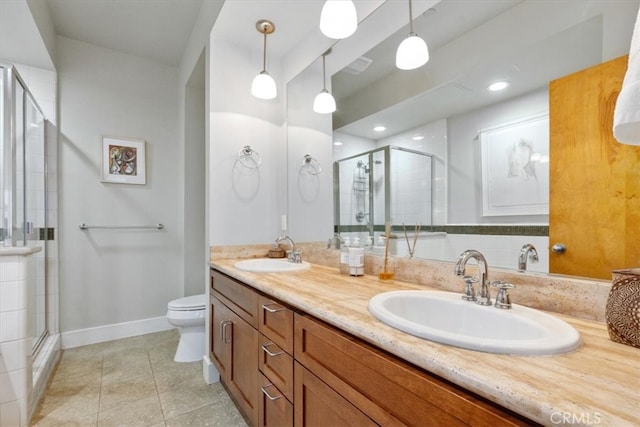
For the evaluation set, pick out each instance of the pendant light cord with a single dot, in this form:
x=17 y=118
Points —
x=410 y=18
x=324 y=79
x=264 y=52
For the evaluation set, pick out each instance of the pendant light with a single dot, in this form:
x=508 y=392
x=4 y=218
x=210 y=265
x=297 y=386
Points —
x=412 y=52
x=338 y=19
x=263 y=86
x=324 y=102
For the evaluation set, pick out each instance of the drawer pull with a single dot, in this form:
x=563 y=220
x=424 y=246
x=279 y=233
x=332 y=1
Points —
x=266 y=393
x=265 y=348
x=273 y=310
x=223 y=330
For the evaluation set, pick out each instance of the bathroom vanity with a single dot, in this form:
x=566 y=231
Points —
x=302 y=349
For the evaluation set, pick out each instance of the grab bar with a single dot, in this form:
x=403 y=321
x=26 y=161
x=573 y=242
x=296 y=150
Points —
x=84 y=226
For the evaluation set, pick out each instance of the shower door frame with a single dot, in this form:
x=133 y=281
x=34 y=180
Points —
x=338 y=228
x=11 y=78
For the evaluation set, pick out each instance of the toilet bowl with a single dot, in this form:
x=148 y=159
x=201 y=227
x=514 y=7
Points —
x=188 y=314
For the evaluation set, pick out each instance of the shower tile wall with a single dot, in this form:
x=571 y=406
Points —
x=15 y=341
x=500 y=251
x=434 y=142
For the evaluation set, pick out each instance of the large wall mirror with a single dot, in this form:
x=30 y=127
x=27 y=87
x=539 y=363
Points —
x=444 y=111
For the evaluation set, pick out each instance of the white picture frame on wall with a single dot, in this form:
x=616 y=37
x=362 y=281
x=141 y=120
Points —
x=515 y=167
x=123 y=160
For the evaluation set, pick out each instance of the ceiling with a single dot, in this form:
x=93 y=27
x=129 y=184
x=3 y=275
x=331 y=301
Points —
x=159 y=29
x=461 y=66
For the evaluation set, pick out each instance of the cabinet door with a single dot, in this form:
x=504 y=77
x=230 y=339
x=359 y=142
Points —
x=235 y=353
x=317 y=404
x=220 y=352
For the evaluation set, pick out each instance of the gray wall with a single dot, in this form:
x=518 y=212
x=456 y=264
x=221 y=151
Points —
x=114 y=276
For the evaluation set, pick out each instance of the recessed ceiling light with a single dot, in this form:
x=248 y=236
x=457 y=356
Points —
x=380 y=128
x=417 y=137
x=498 y=86
x=337 y=142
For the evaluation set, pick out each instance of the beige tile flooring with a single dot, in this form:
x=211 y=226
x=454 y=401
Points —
x=133 y=382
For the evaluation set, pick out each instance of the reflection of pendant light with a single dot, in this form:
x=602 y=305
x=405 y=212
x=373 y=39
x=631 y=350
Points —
x=263 y=86
x=338 y=19
x=324 y=102
x=412 y=52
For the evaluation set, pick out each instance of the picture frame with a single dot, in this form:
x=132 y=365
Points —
x=515 y=167
x=123 y=160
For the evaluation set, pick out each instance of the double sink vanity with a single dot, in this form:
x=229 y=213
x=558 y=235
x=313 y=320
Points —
x=305 y=345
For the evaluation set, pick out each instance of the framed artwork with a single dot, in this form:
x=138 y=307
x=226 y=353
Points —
x=515 y=168
x=123 y=160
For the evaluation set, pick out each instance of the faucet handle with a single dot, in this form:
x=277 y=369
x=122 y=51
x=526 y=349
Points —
x=295 y=256
x=469 y=292
x=502 y=299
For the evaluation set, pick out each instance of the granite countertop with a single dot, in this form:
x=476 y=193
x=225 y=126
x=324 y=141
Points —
x=597 y=384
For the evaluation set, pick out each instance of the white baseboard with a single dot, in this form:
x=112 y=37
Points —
x=116 y=331
x=209 y=371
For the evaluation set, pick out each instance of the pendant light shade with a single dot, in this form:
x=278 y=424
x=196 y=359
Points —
x=324 y=102
x=263 y=86
x=338 y=19
x=413 y=52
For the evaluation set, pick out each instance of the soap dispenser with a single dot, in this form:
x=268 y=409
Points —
x=344 y=256
x=356 y=258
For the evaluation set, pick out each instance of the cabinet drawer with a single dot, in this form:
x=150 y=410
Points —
x=318 y=405
x=275 y=410
x=238 y=297
x=276 y=323
x=387 y=389
x=277 y=366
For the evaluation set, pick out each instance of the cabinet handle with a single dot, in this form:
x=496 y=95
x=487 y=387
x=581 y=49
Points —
x=266 y=393
x=265 y=348
x=223 y=330
x=273 y=310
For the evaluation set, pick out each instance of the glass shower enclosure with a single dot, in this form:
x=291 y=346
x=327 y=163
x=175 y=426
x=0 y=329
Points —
x=387 y=184
x=23 y=186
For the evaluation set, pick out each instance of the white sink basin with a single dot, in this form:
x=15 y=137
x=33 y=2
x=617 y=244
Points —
x=445 y=318
x=271 y=265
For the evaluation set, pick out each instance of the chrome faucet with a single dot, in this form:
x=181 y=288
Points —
x=337 y=237
x=483 y=297
x=529 y=251
x=293 y=255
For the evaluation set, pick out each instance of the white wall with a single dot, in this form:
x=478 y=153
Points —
x=113 y=276
x=310 y=197
x=195 y=253
x=465 y=166
x=244 y=204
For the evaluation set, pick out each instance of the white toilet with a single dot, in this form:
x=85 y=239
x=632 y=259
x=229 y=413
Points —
x=188 y=314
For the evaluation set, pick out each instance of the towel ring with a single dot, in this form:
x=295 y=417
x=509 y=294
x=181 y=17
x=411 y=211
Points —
x=311 y=165
x=249 y=158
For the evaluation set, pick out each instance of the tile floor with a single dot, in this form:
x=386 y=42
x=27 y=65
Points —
x=133 y=382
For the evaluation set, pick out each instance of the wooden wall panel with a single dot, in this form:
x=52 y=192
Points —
x=595 y=181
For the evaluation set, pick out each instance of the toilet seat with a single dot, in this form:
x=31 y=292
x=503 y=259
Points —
x=190 y=303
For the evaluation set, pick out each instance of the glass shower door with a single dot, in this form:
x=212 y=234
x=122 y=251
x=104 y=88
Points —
x=23 y=186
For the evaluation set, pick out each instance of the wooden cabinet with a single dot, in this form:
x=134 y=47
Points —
x=388 y=390
x=234 y=344
x=318 y=405
x=284 y=368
